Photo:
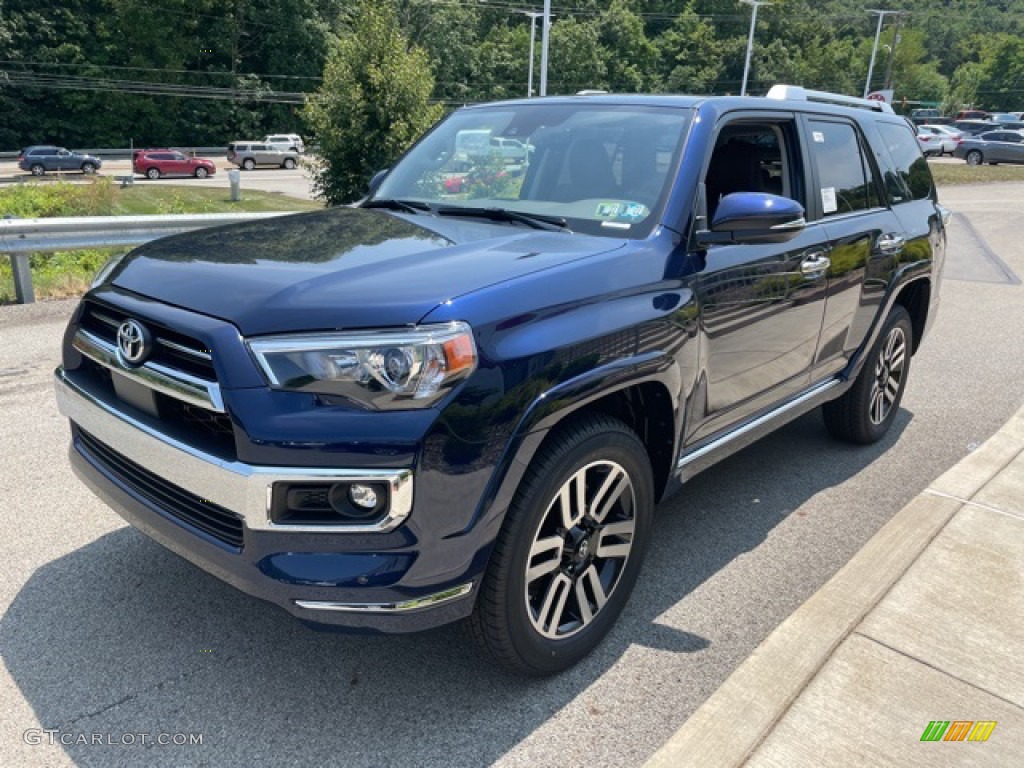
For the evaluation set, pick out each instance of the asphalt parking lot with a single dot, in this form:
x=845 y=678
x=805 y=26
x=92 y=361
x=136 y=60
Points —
x=104 y=632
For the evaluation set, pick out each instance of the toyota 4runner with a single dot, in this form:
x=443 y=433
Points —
x=444 y=405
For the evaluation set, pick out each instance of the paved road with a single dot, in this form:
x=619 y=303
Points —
x=295 y=183
x=105 y=632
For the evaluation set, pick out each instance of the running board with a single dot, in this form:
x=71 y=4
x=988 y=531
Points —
x=701 y=458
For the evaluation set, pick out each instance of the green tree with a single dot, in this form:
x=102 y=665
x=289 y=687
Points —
x=1001 y=81
x=373 y=103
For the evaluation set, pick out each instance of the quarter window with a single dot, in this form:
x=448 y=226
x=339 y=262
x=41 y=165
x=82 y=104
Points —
x=909 y=177
x=846 y=181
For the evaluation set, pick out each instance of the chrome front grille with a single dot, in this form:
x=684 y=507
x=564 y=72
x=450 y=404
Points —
x=178 y=366
x=171 y=349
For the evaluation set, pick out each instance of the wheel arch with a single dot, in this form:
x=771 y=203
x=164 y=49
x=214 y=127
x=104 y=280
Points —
x=915 y=297
x=643 y=399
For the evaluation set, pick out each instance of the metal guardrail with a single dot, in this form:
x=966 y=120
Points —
x=21 y=237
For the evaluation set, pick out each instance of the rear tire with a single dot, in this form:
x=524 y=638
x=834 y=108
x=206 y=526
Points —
x=973 y=157
x=37 y=170
x=248 y=164
x=153 y=173
x=562 y=571
x=866 y=411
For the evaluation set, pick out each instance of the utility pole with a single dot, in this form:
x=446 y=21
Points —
x=533 y=34
x=892 y=54
x=755 y=4
x=544 y=48
x=875 y=48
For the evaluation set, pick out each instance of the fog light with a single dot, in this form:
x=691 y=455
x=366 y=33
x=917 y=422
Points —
x=362 y=496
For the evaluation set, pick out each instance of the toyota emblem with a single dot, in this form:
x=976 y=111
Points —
x=133 y=342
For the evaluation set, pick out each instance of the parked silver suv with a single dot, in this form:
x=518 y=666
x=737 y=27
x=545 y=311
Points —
x=249 y=154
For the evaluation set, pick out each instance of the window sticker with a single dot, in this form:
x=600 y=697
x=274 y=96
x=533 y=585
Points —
x=616 y=224
x=819 y=137
x=828 y=199
x=633 y=211
x=624 y=211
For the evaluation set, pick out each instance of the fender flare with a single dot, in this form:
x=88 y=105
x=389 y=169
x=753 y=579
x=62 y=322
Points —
x=550 y=408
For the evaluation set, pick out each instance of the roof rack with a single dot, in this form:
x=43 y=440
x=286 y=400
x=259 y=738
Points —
x=798 y=93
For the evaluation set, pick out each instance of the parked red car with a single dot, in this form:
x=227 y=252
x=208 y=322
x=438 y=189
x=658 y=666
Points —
x=154 y=163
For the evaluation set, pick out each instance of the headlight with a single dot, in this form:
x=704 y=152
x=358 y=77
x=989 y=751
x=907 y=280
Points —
x=409 y=368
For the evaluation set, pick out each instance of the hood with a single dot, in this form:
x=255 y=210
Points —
x=340 y=268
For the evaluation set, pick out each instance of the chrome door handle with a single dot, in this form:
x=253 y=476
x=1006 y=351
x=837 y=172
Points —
x=815 y=265
x=890 y=244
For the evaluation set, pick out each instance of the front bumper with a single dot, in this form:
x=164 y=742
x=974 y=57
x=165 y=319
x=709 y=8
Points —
x=355 y=576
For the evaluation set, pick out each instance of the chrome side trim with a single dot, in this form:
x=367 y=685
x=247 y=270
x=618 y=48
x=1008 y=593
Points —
x=173 y=383
x=406 y=605
x=242 y=488
x=760 y=421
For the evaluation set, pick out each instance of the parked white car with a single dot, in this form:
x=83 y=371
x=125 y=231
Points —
x=285 y=142
x=946 y=137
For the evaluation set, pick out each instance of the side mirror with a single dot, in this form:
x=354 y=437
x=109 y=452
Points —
x=376 y=180
x=754 y=217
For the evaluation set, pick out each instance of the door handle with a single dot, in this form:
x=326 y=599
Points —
x=890 y=244
x=815 y=264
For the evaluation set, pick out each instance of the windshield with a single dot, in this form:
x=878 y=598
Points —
x=605 y=170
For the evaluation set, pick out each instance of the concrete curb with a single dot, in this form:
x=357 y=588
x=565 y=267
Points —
x=726 y=730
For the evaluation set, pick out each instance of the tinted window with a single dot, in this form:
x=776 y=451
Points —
x=845 y=178
x=910 y=179
x=752 y=157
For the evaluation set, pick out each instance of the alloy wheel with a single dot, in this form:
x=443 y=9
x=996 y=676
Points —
x=580 y=549
x=888 y=375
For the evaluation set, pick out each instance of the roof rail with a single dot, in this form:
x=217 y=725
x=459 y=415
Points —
x=798 y=93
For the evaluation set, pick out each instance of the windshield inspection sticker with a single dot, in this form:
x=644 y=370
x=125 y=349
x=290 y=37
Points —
x=633 y=211
x=625 y=211
x=828 y=199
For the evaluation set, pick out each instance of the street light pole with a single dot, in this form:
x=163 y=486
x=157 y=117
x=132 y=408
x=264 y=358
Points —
x=533 y=35
x=755 y=4
x=544 y=48
x=874 y=49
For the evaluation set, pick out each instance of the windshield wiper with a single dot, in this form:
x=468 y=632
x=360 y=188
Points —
x=409 y=206
x=535 y=220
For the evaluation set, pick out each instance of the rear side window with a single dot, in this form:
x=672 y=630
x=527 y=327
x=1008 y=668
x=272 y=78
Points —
x=909 y=178
x=846 y=179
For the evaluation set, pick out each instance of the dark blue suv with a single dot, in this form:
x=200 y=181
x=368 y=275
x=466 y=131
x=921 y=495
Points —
x=41 y=158
x=463 y=397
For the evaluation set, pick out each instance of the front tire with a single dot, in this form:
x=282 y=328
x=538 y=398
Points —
x=570 y=549
x=88 y=168
x=202 y=173
x=289 y=164
x=867 y=410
